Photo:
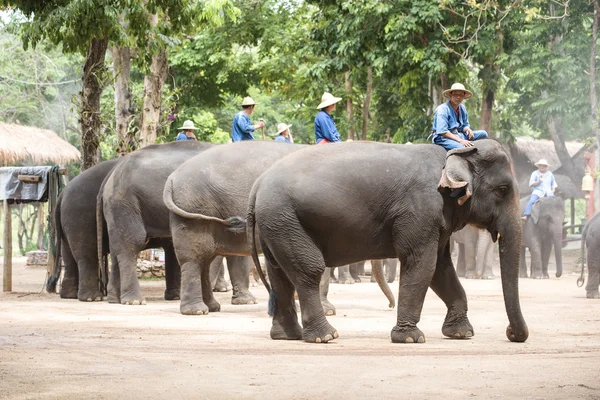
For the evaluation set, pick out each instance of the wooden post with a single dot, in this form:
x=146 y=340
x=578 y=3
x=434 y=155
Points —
x=7 y=276
x=52 y=189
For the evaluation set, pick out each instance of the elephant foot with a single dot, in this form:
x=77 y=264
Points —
x=213 y=305
x=357 y=280
x=320 y=334
x=458 y=328
x=488 y=276
x=172 y=294
x=471 y=275
x=407 y=335
x=221 y=287
x=333 y=279
x=523 y=275
x=68 y=289
x=199 y=308
x=592 y=294
x=346 y=281
x=240 y=298
x=113 y=299
x=286 y=331
x=545 y=276
x=90 y=294
x=134 y=299
x=538 y=276
x=328 y=308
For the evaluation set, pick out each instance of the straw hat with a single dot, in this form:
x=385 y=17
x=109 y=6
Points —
x=282 y=127
x=457 y=87
x=187 y=125
x=542 y=162
x=327 y=100
x=248 y=101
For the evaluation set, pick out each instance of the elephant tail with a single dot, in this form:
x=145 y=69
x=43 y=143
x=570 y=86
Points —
x=57 y=268
x=378 y=273
x=102 y=261
x=251 y=223
x=233 y=224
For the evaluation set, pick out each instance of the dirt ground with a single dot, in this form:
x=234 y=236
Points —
x=65 y=349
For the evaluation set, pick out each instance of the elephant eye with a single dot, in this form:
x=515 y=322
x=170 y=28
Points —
x=501 y=190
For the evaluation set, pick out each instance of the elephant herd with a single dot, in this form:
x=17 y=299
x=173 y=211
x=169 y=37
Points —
x=305 y=208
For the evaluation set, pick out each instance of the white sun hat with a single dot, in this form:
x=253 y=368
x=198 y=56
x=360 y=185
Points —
x=282 y=127
x=248 y=101
x=327 y=100
x=457 y=87
x=542 y=162
x=187 y=125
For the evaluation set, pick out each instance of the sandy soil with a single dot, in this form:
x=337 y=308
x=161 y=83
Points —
x=62 y=349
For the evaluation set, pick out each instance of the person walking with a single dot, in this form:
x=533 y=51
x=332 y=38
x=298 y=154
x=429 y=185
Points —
x=325 y=129
x=242 y=128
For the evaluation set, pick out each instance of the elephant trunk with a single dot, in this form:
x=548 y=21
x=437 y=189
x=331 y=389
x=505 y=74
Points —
x=557 y=241
x=510 y=246
x=377 y=269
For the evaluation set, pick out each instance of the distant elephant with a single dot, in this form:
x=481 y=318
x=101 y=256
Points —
x=590 y=238
x=204 y=196
x=541 y=231
x=475 y=253
x=341 y=203
x=350 y=273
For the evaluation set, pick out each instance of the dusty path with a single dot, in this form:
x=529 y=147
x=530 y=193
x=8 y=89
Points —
x=62 y=349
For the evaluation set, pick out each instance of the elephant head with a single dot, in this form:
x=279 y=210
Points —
x=479 y=188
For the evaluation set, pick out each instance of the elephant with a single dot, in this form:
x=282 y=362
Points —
x=337 y=204
x=350 y=273
x=542 y=230
x=130 y=200
x=590 y=238
x=204 y=196
x=475 y=253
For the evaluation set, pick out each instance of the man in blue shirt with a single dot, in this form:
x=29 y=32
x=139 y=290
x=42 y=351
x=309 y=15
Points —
x=325 y=130
x=242 y=128
x=451 y=128
x=187 y=132
x=543 y=183
x=283 y=133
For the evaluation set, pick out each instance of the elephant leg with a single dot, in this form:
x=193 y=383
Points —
x=344 y=275
x=192 y=300
x=239 y=273
x=461 y=262
x=114 y=281
x=523 y=263
x=470 y=258
x=417 y=271
x=593 y=281
x=446 y=285
x=354 y=272
x=391 y=266
x=332 y=277
x=488 y=261
x=70 y=282
x=328 y=308
x=545 y=251
x=536 y=261
x=483 y=260
x=131 y=293
x=172 y=274
x=360 y=268
x=218 y=283
x=207 y=290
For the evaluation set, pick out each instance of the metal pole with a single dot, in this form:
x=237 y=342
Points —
x=7 y=276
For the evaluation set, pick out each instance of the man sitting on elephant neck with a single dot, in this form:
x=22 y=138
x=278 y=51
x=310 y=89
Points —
x=187 y=132
x=325 y=130
x=242 y=128
x=451 y=128
x=543 y=183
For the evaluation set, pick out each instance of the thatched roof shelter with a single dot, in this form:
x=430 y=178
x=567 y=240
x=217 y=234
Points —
x=25 y=144
x=526 y=151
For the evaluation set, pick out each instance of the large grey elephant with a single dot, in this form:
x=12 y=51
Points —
x=341 y=203
x=130 y=200
x=475 y=253
x=590 y=238
x=542 y=231
x=202 y=194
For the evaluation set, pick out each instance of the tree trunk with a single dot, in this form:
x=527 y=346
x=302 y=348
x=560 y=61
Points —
x=556 y=133
x=594 y=101
x=485 y=121
x=153 y=85
x=123 y=110
x=93 y=70
x=349 y=107
x=41 y=232
x=367 y=103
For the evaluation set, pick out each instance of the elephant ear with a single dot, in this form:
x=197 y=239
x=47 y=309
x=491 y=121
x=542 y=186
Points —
x=535 y=212
x=457 y=173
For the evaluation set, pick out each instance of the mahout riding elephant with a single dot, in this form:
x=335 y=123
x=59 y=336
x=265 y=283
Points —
x=341 y=203
x=76 y=241
x=590 y=238
x=475 y=253
x=541 y=231
x=202 y=195
x=130 y=200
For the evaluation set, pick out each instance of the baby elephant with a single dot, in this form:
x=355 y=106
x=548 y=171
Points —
x=591 y=239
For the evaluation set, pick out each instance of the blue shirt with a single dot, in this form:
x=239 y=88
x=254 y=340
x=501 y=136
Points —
x=182 y=136
x=446 y=120
x=281 y=138
x=241 y=129
x=325 y=128
x=545 y=187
